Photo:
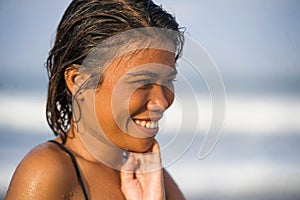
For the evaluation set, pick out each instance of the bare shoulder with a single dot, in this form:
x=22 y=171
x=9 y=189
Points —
x=44 y=173
x=172 y=190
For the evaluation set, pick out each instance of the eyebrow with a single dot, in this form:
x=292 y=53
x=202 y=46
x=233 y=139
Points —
x=150 y=74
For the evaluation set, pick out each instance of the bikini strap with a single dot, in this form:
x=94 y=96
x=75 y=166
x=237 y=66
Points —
x=75 y=164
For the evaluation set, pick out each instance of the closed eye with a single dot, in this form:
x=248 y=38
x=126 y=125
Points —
x=143 y=83
x=169 y=81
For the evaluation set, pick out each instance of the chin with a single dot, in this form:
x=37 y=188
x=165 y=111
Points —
x=141 y=146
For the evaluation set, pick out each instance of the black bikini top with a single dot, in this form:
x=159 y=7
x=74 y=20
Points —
x=75 y=164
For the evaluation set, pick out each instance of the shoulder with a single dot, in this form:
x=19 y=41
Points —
x=45 y=171
x=172 y=189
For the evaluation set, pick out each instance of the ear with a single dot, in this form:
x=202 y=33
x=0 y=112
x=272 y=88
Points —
x=74 y=78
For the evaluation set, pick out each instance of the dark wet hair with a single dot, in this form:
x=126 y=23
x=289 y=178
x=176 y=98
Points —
x=84 y=25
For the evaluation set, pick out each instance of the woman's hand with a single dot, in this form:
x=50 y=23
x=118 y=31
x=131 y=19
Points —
x=142 y=176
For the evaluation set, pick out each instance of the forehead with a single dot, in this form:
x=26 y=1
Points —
x=151 y=71
x=147 y=56
x=141 y=60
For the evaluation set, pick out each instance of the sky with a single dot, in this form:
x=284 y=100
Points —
x=254 y=43
x=26 y=34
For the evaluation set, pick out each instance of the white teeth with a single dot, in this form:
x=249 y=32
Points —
x=147 y=124
x=143 y=123
x=152 y=125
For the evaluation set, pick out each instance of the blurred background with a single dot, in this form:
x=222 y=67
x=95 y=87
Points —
x=256 y=46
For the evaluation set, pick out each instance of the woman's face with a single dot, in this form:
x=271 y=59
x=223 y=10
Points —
x=135 y=92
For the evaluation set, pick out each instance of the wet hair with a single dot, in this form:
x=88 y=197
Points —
x=84 y=25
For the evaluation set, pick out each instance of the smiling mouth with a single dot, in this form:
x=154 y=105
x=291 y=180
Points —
x=147 y=124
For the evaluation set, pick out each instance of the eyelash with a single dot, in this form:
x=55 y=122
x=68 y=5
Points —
x=171 y=81
x=147 y=83
x=144 y=82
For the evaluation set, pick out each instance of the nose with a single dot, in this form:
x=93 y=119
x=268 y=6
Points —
x=158 y=100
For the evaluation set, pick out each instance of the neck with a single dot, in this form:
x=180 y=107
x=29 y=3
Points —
x=94 y=148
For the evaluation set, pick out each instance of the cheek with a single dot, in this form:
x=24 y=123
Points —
x=137 y=102
x=103 y=108
x=169 y=95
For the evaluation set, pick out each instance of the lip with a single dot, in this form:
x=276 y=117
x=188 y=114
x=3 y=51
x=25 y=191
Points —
x=147 y=132
x=144 y=132
x=152 y=118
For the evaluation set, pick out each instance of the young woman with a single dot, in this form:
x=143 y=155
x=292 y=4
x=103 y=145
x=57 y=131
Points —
x=110 y=80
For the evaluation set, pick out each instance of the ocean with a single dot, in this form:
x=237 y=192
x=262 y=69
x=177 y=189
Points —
x=256 y=156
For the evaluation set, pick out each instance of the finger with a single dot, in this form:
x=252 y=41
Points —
x=155 y=147
x=127 y=170
x=150 y=161
x=156 y=157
